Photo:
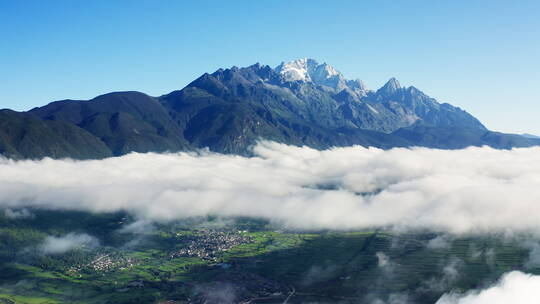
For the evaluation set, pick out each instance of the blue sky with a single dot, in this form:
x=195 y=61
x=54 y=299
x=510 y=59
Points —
x=483 y=56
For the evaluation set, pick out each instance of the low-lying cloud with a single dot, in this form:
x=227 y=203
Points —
x=62 y=244
x=514 y=287
x=470 y=190
x=18 y=214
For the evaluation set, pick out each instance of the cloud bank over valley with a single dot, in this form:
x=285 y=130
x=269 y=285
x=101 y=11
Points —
x=457 y=191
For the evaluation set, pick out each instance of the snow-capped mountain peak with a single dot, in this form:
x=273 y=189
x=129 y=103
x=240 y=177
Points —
x=296 y=70
x=309 y=70
x=328 y=70
x=306 y=69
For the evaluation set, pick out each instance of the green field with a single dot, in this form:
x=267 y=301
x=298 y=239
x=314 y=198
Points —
x=240 y=260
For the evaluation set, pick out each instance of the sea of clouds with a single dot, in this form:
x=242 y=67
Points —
x=473 y=190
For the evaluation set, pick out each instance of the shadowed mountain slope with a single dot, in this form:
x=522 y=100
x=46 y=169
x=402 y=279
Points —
x=124 y=121
x=24 y=135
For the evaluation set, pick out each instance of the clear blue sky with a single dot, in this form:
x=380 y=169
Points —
x=483 y=56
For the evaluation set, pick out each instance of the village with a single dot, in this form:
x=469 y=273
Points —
x=207 y=244
x=105 y=262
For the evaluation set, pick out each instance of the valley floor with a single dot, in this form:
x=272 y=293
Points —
x=212 y=260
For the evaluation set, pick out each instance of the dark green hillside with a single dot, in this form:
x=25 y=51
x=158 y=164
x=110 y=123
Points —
x=124 y=121
x=24 y=135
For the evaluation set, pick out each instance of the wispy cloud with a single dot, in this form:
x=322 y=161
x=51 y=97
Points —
x=58 y=245
x=15 y=214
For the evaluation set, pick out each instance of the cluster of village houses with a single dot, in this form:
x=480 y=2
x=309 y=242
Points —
x=208 y=243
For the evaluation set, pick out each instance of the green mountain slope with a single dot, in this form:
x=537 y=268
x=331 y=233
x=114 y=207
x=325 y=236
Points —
x=24 y=135
x=124 y=121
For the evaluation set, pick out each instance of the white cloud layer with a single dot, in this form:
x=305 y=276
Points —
x=470 y=190
x=514 y=287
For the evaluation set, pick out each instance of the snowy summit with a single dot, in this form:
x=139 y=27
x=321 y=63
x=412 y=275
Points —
x=309 y=70
x=305 y=69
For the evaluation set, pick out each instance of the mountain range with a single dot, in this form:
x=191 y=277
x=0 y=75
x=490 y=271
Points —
x=300 y=102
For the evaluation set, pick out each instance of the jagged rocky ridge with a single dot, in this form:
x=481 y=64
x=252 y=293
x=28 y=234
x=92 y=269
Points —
x=300 y=102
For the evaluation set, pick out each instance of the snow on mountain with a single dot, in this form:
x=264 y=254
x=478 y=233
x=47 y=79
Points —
x=309 y=70
x=296 y=70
